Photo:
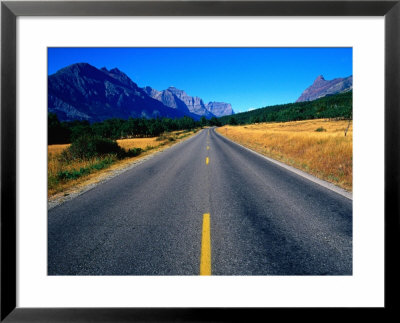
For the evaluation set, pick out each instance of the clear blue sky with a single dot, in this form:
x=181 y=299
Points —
x=245 y=77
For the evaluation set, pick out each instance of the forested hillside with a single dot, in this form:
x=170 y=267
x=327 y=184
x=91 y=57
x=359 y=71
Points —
x=337 y=106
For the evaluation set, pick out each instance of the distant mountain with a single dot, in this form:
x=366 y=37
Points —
x=180 y=100
x=83 y=92
x=194 y=104
x=220 y=109
x=322 y=87
x=168 y=98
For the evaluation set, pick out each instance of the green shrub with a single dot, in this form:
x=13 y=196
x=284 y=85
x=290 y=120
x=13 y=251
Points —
x=161 y=137
x=165 y=137
x=320 y=129
x=72 y=174
x=99 y=152
x=83 y=171
x=133 y=152
x=87 y=146
x=103 y=163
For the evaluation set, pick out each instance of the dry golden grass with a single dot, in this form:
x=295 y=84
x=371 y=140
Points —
x=55 y=164
x=326 y=154
x=138 y=143
x=56 y=149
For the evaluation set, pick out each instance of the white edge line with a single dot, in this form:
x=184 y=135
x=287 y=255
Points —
x=311 y=178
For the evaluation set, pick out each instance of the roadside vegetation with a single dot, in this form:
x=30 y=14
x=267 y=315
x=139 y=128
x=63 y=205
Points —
x=323 y=147
x=114 y=129
x=89 y=154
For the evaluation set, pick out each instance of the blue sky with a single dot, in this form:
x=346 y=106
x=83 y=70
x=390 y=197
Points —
x=247 y=78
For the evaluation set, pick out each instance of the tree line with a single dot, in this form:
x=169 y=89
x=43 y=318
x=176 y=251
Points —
x=67 y=132
x=339 y=106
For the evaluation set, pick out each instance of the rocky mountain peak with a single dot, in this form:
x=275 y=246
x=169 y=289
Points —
x=322 y=87
x=116 y=71
x=176 y=91
x=79 y=68
x=319 y=81
x=220 y=109
x=121 y=76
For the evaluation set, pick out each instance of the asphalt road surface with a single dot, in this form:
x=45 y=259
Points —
x=204 y=206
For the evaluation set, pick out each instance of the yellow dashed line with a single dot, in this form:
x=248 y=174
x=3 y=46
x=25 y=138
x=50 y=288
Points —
x=207 y=160
x=205 y=257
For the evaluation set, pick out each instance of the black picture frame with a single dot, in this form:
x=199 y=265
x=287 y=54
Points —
x=10 y=10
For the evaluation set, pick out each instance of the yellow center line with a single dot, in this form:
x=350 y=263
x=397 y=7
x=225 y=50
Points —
x=207 y=160
x=205 y=257
x=208 y=147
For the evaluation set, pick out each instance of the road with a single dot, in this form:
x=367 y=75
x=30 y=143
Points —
x=204 y=206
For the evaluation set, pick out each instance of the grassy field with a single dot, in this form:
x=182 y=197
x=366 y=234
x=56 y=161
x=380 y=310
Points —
x=318 y=147
x=85 y=171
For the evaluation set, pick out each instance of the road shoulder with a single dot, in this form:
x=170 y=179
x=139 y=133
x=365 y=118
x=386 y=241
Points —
x=312 y=178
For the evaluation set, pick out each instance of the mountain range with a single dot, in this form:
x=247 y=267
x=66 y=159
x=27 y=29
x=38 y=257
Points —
x=83 y=92
x=178 y=99
x=322 y=87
